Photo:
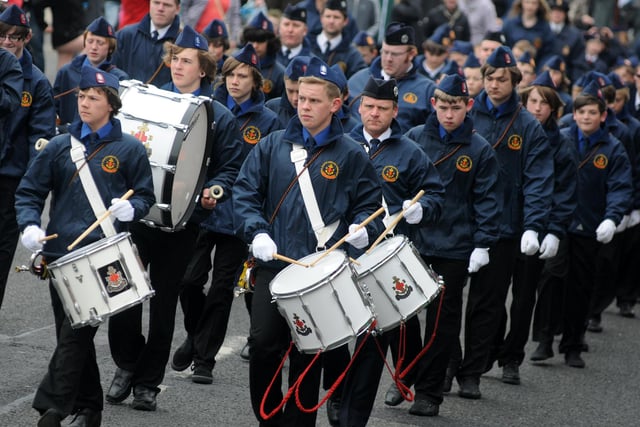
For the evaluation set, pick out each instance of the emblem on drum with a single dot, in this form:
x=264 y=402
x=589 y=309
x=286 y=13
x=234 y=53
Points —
x=113 y=278
x=301 y=326
x=143 y=136
x=401 y=288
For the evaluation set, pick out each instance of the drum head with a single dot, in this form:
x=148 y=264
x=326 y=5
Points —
x=296 y=278
x=89 y=249
x=387 y=248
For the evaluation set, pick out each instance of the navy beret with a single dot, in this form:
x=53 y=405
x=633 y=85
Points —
x=13 y=15
x=616 y=80
x=261 y=22
x=216 y=28
x=339 y=5
x=593 y=89
x=454 y=85
x=100 y=27
x=502 y=57
x=463 y=47
x=248 y=55
x=95 y=77
x=363 y=39
x=559 y=4
x=451 y=67
x=496 y=36
x=399 y=34
x=601 y=79
x=526 y=58
x=188 y=38
x=295 y=13
x=297 y=67
x=381 y=89
x=472 y=61
x=443 y=35
x=342 y=79
x=544 y=79
x=318 y=68
x=556 y=62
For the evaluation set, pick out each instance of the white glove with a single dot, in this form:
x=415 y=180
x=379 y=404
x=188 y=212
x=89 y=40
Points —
x=634 y=218
x=31 y=237
x=358 y=239
x=549 y=246
x=529 y=243
x=478 y=259
x=413 y=213
x=263 y=247
x=122 y=209
x=624 y=224
x=605 y=231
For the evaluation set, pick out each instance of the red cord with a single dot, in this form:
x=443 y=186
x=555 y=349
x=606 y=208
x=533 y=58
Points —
x=266 y=393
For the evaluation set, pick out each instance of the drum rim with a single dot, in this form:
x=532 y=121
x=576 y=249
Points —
x=89 y=249
x=404 y=241
x=345 y=263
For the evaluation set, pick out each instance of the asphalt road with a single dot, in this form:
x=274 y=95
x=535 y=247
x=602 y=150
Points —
x=607 y=392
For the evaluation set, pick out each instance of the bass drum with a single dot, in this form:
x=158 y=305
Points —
x=175 y=130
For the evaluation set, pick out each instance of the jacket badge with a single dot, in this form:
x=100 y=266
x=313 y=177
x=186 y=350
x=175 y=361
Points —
x=600 y=161
x=515 y=142
x=390 y=173
x=110 y=164
x=329 y=170
x=464 y=163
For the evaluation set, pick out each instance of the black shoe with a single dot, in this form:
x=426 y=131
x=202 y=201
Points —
x=511 y=373
x=201 y=374
x=593 y=325
x=333 y=411
x=626 y=310
x=244 y=353
x=573 y=359
x=469 y=387
x=393 y=397
x=144 y=398
x=424 y=408
x=448 y=380
x=51 y=418
x=543 y=352
x=120 y=387
x=183 y=355
x=87 y=418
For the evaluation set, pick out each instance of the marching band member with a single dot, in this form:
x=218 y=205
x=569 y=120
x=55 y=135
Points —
x=275 y=221
x=118 y=162
x=287 y=105
x=141 y=361
x=388 y=149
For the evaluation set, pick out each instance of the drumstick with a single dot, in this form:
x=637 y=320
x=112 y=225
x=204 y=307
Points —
x=395 y=221
x=93 y=226
x=49 y=237
x=290 y=260
x=341 y=241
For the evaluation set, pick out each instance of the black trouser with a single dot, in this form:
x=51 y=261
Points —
x=485 y=304
x=167 y=255
x=433 y=365
x=269 y=338
x=547 y=319
x=72 y=381
x=608 y=277
x=629 y=285
x=206 y=317
x=583 y=254
x=526 y=276
x=8 y=228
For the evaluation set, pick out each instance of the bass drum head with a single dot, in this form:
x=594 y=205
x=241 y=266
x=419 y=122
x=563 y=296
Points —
x=295 y=279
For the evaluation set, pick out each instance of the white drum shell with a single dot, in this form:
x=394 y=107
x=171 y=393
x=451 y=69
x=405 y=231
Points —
x=174 y=128
x=329 y=306
x=398 y=280
x=80 y=278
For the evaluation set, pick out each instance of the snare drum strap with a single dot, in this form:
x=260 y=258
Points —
x=323 y=232
x=89 y=186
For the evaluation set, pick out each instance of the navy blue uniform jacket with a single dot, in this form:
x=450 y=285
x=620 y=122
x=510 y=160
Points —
x=10 y=92
x=345 y=55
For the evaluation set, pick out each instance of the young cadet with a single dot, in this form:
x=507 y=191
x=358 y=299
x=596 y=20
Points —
x=388 y=149
x=275 y=221
x=436 y=52
x=604 y=194
x=525 y=186
x=99 y=46
x=34 y=119
x=473 y=75
x=543 y=101
x=72 y=382
x=458 y=243
x=397 y=61
x=218 y=39
x=332 y=45
x=287 y=105
x=366 y=45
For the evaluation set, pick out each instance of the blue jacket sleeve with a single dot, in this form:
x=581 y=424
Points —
x=619 y=185
x=485 y=202
x=10 y=83
x=537 y=185
x=565 y=198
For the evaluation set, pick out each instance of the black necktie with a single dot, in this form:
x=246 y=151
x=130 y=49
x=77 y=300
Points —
x=328 y=48
x=235 y=110
x=287 y=53
x=374 y=143
x=584 y=145
x=154 y=35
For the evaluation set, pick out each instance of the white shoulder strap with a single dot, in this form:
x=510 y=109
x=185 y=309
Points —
x=89 y=186
x=323 y=233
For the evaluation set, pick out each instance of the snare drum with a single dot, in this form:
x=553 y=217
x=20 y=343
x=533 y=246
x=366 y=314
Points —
x=398 y=280
x=322 y=304
x=174 y=129
x=100 y=279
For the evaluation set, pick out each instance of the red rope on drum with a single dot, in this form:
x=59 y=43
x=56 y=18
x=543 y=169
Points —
x=433 y=337
x=266 y=393
x=335 y=385
x=405 y=391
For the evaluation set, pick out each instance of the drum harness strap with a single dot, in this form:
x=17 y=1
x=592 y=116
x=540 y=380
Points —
x=388 y=218
x=589 y=155
x=506 y=130
x=77 y=153
x=323 y=232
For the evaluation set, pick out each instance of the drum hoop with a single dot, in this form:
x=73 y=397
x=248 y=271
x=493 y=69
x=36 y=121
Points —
x=313 y=286
x=403 y=243
x=90 y=249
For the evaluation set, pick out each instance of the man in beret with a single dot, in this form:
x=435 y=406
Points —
x=331 y=45
x=381 y=136
x=72 y=382
x=398 y=61
x=269 y=199
x=140 y=46
x=525 y=186
x=567 y=39
x=292 y=32
x=33 y=119
x=99 y=44
x=490 y=42
x=314 y=10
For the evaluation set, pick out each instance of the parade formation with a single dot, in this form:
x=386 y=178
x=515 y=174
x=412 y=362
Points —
x=423 y=187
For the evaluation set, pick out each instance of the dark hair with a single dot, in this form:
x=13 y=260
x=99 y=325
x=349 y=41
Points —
x=516 y=74
x=113 y=98
x=586 y=99
x=548 y=94
x=232 y=63
x=207 y=63
x=19 y=30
